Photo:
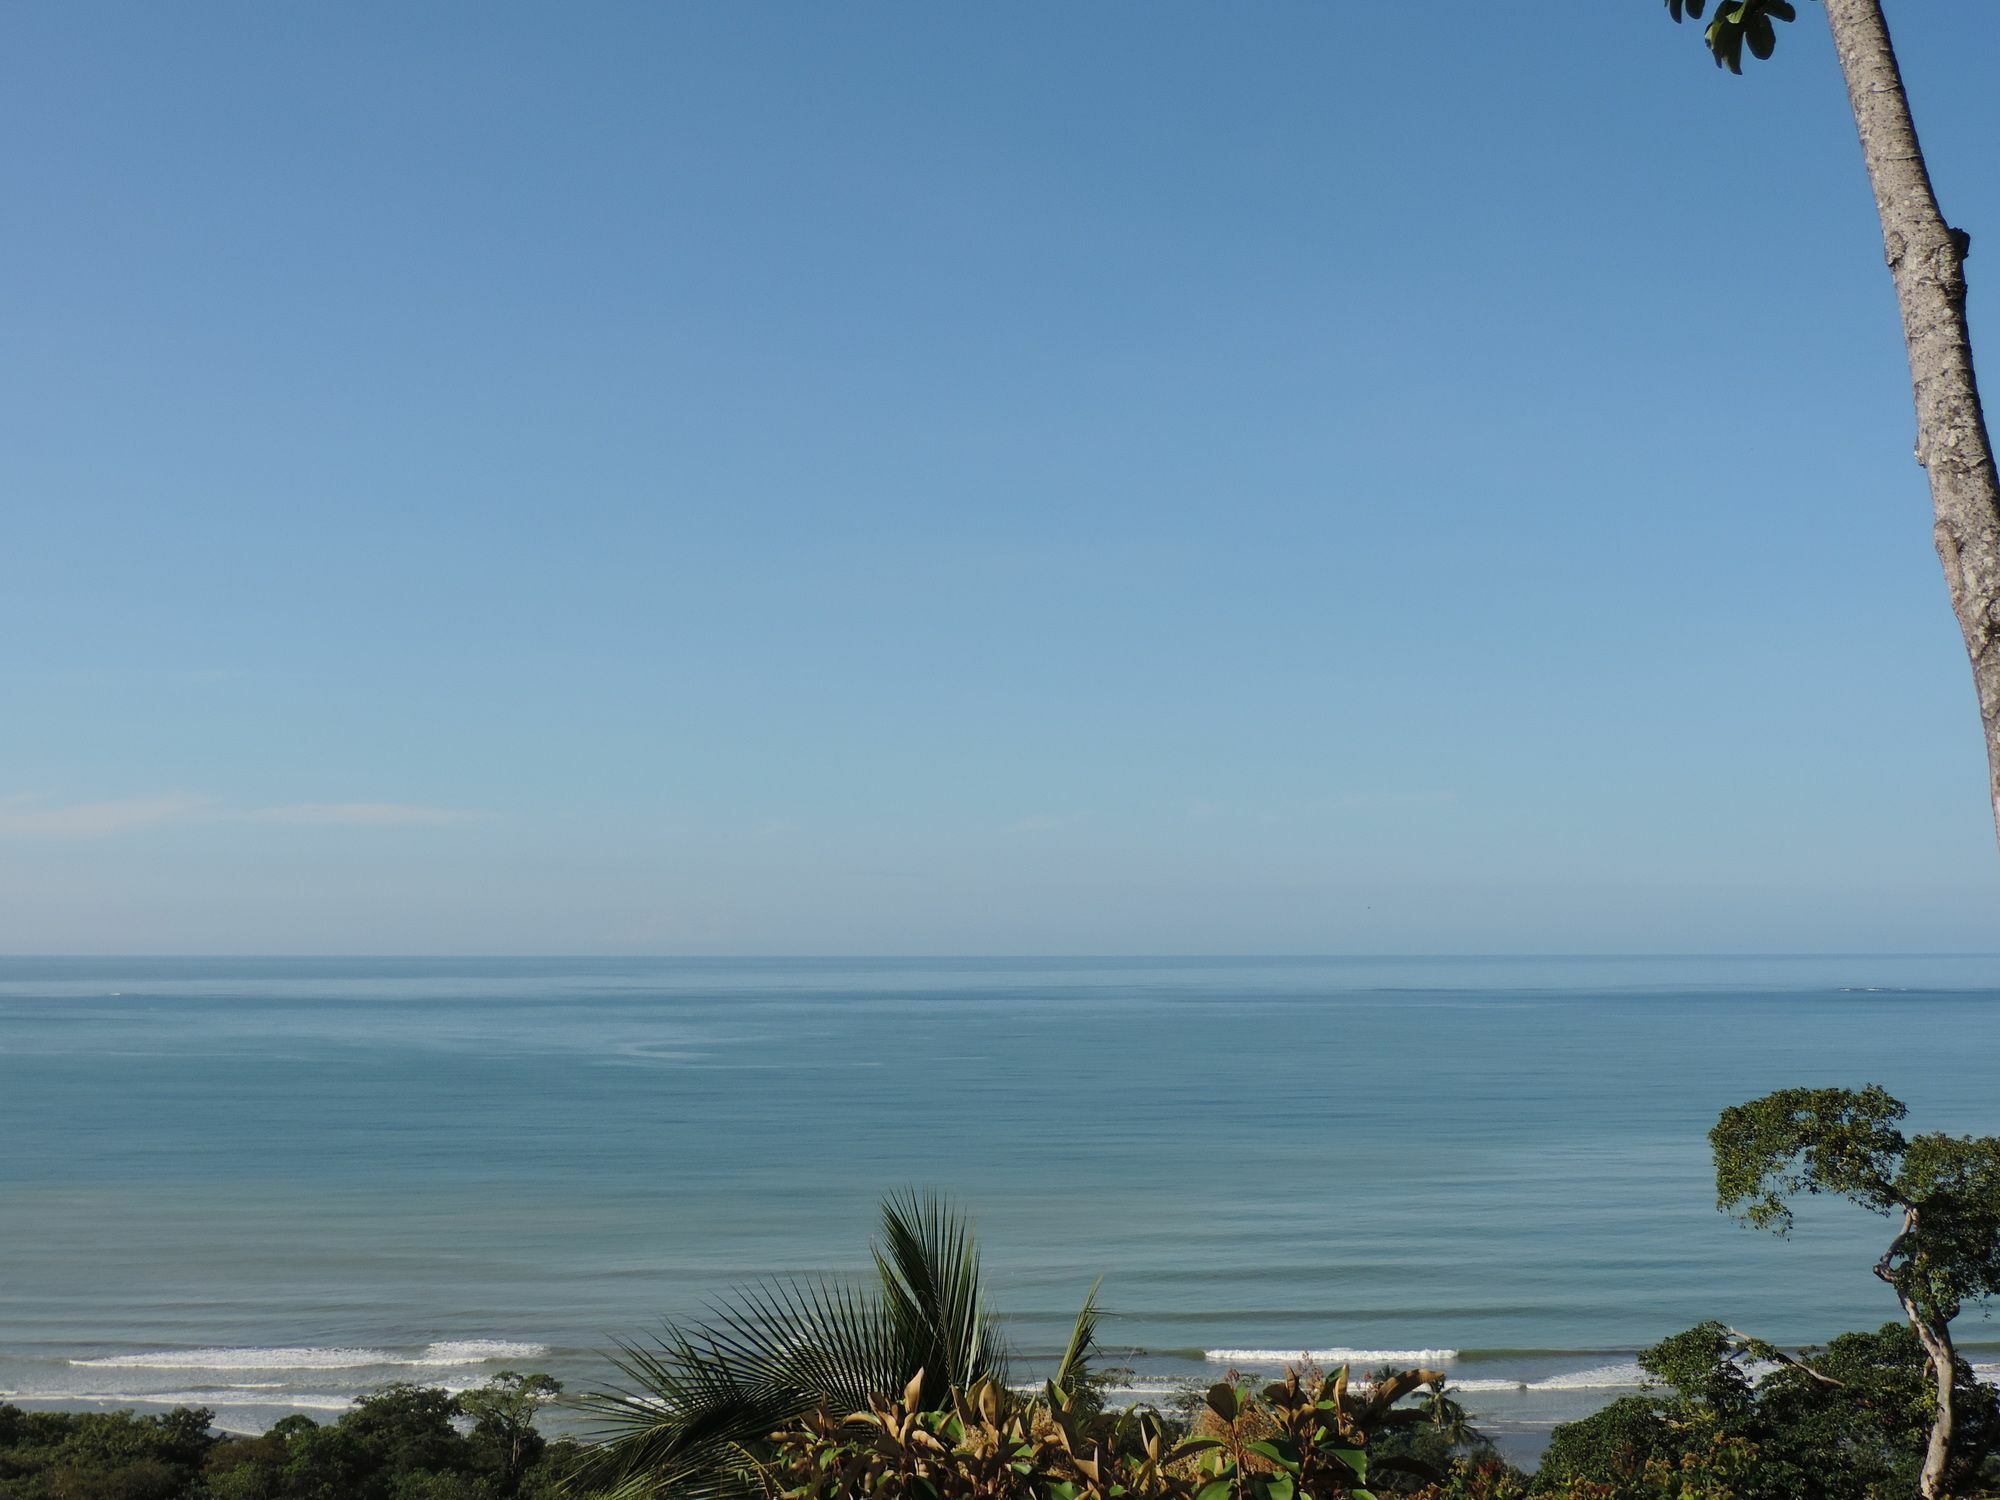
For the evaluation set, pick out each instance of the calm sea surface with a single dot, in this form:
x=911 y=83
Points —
x=264 y=1185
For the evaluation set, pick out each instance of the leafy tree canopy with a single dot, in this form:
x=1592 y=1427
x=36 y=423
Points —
x=1748 y=23
x=1848 y=1143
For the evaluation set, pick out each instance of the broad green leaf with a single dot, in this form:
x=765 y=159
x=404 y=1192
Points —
x=1285 y=1455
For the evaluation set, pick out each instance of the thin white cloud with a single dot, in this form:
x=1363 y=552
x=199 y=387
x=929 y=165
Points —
x=1039 y=823
x=363 y=814
x=25 y=816
x=1391 y=801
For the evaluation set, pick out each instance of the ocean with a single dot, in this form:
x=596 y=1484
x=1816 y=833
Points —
x=266 y=1185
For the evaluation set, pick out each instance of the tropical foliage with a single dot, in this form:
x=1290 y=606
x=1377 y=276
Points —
x=700 y=1403
x=1296 y=1439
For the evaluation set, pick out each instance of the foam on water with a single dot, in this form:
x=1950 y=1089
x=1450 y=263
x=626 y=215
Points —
x=1598 y=1378
x=476 y=1352
x=439 y=1355
x=1618 y=1377
x=242 y=1359
x=293 y=1401
x=1336 y=1356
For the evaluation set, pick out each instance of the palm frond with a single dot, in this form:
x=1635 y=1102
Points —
x=686 y=1421
x=699 y=1403
x=1074 y=1368
x=932 y=1290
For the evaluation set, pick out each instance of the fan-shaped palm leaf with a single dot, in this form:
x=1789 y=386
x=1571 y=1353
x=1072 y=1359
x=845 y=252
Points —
x=699 y=1402
x=931 y=1290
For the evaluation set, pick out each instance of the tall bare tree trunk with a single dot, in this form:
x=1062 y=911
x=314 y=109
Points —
x=1927 y=259
x=1935 y=1336
x=1936 y=1339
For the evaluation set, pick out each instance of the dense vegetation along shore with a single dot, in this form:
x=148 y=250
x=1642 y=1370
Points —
x=828 y=1391
x=1849 y=1422
x=404 y=1442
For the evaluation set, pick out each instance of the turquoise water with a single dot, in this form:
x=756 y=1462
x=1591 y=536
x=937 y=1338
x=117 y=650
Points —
x=268 y=1184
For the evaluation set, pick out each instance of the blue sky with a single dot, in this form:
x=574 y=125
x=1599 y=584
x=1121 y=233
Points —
x=879 y=478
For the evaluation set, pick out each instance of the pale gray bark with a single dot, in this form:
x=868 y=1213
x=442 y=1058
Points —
x=1745 y=1343
x=1936 y=1339
x=1935 y=1336
x=1927 y=260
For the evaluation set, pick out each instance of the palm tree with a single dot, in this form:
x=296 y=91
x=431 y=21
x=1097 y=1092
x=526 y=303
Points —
x=700 y=1401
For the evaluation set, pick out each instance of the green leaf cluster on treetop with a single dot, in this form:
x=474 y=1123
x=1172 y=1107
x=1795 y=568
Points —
x=1745 y=23
x=1806 y=1141
x=1846 y=1142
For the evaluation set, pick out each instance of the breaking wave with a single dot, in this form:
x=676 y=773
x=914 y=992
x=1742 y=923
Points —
x=442 y=1355
x=1330 y=1356
x=289 y=1401
x=1600 y=1378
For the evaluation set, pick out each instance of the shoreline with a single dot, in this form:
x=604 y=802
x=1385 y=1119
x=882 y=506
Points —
x=1517 y=1397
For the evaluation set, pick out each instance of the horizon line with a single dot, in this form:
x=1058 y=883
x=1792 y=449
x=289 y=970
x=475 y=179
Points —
x=1094 y=957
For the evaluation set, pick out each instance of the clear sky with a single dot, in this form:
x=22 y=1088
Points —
x=857 y=477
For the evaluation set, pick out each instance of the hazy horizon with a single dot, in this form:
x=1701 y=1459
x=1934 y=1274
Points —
x=1023 y=956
